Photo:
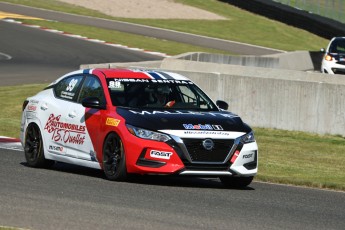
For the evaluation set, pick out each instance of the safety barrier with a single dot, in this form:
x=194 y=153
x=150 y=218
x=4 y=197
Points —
x=266 y=97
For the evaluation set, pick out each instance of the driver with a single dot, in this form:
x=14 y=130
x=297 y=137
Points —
x=160 y=96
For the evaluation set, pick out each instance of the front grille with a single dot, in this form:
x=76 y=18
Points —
x=198 y=153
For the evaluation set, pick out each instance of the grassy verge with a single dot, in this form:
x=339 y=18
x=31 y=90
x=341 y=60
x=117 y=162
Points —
x=12 y=99
x=284 y=157
x=301 y=158
x=240 y=25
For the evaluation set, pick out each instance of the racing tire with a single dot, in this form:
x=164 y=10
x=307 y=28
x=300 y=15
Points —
x=114 y=159
x=236 y=182
x=33 y=148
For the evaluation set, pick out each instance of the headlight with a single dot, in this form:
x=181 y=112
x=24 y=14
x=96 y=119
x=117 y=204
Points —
x=249 y=137
x=328 y=57
x=147 y=134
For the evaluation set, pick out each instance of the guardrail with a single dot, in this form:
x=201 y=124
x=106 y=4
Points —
x=296 y=60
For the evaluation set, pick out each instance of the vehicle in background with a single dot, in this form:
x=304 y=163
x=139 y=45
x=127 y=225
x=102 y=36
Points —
x=333 y=60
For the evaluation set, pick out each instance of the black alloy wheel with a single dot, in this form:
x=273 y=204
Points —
x=114 y=159
x=33 y=149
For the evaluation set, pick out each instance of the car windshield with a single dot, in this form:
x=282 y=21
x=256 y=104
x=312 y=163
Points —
x=338 y=46
x=143 y=93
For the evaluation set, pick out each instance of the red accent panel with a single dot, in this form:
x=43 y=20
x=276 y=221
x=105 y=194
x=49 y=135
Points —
x=94 y=120
x=134 y=146
x=122 y=73
x=234 y=157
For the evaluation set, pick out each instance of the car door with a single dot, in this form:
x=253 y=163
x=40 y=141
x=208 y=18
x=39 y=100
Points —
x=89 y=119
x=58 y=129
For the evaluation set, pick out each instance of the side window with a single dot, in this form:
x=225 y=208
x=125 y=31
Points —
x=187 y=95
x=191 y=97
x=91 y=88
x=68 y=87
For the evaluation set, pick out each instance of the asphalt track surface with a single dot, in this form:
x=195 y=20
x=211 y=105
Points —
x=235 y=47
x=71 y=197
x=30 y=55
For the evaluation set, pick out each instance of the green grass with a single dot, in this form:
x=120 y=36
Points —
x=240 y=25
x=331 y=9
x=284 y=156
x=12 y=99
x=301 y=158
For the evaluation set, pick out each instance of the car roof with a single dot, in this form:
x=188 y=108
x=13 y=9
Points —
x=126 y=74
x=338 y=38
x=139 y=74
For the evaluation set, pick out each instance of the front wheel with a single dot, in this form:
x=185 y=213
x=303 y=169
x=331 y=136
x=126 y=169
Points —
x=33 y=148
x=114 y=160
x=236 y=182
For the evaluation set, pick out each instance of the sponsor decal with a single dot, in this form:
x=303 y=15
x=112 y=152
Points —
x=248 y=156
x=56 y=148
x=199 y=126
x=117 y=82
x=217 y=127
x=112 y=121
x=160 y=154
x=32 y=108
x=173 y=81
x=30 y=114
x=67 y=95
x=71 y=85
x=65 y=132
x=201 y=133
x=113 y=84
x=33 y=101
x=177 y=112
x=203 y=127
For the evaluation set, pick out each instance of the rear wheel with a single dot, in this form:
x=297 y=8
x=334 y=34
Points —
x=114 y=160
x=33 y=149
x=236 y=182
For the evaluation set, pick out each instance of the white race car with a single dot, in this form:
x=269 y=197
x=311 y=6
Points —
x=333 y=61
x=137 y=122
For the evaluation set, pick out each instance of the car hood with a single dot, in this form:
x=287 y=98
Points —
x=183 y=120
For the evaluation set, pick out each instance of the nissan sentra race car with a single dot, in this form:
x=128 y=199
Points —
x=127 y=122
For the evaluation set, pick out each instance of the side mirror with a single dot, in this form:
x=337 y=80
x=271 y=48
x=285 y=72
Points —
x=222 y=104
x=92 y=102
